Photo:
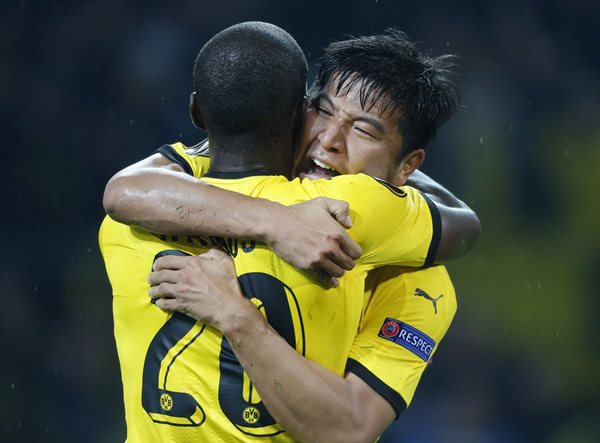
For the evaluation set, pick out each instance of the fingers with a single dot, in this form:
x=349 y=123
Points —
x=166 y=304
x=331 y=268
x=339 y=259
x=324 y=279
x=350 y=247
x=340 y=210
x=170 y=262
x=164 y=290
x=164 y=276
x=220 y=261
x=344 y=251
x=216 y=253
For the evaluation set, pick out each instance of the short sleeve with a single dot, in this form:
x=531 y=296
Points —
x=406 y=317
x=394 y=226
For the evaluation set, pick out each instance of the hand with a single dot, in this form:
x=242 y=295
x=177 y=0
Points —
x=205 y=287
x=312 y=237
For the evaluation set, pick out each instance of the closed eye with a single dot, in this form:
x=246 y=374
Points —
x=322 y=110
x=362 y=131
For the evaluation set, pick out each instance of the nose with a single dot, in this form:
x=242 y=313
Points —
x=332 y=137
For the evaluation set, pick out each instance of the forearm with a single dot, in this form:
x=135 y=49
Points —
x=434 y=190
x=460 y=225
x=170 y=202
x=310 y=402
x=156 y=194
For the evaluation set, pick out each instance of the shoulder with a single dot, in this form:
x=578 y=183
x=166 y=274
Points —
x=194 y=160
x=363 y=184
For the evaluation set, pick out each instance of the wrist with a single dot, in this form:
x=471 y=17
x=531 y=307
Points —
x=241 y=322
x=269 y=222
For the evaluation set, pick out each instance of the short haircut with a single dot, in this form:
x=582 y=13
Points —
x=395 y=76
x=249 y=79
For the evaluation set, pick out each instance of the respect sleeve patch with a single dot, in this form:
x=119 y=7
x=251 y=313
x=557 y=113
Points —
x=408 y=337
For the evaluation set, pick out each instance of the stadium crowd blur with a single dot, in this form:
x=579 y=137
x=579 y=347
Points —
x=89 y=87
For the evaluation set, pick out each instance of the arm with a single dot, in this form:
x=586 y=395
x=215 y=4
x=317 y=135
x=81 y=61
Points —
x=156 y=194
x=460 y=224
x=312 y=403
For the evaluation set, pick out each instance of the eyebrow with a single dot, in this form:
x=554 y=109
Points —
x=376 y=123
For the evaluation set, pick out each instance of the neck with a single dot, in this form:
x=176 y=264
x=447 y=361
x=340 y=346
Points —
x=235 y=155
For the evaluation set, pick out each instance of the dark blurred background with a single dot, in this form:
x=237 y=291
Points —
x=90 y=87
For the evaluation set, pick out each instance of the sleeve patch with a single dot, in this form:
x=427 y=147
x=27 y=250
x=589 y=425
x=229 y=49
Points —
x=408 y=337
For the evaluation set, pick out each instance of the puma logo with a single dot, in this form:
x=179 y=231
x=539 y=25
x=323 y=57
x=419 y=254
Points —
x=421 y=293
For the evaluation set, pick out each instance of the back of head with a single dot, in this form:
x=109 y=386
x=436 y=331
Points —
x=248 y=79
x=395 y=75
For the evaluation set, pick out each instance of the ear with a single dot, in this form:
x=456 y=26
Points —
x=195 y=113
x=407 y=166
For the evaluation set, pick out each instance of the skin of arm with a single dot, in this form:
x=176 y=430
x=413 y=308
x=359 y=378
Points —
x=311 y=403
x=460 y=225
x=158 y=195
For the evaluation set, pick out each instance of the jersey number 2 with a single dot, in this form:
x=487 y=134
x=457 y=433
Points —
x=278 y=302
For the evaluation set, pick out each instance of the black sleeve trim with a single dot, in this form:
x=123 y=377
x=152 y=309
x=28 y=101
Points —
x=174 y=156
x=377 y=385
x=436 y=220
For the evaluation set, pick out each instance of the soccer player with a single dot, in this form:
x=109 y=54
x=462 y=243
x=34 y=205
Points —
x=382 y=372
x=172 y=350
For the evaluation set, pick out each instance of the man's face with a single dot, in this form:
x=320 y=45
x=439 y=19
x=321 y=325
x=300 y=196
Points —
x=340 y=137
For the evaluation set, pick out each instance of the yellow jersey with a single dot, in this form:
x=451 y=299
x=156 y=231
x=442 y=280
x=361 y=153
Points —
x=181 y=380
x=406 y=313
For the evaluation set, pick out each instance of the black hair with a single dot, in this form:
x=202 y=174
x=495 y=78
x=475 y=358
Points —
x=394 y=75
x=248 y=81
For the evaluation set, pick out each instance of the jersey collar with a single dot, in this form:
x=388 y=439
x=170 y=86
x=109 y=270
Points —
x=238 y=174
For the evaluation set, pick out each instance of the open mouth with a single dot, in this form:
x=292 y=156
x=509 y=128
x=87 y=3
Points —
x=316 y=169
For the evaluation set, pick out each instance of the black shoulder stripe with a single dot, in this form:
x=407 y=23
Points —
x=377 y=385
x=395 y=190
x=436 y=220
x=174 y=156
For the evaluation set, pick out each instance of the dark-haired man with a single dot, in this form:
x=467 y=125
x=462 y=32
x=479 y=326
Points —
x=280 y=373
